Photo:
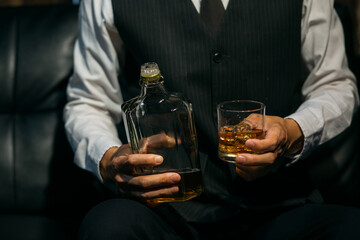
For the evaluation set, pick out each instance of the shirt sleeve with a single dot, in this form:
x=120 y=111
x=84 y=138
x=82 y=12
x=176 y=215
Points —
x=93 y=92
x=330 y=91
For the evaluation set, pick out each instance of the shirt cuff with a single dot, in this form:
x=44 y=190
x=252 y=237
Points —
x=100 y=146
x=311 y=127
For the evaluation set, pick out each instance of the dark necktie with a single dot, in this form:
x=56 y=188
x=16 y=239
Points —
x=211 y=12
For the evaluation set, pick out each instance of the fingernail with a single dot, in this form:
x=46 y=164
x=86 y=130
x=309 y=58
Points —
x=171 y=140
x=174 y=189
x=175 y=178
x=158 y=160
x=240 y=159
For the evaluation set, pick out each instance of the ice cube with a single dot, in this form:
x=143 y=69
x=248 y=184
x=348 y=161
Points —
x=242 y=127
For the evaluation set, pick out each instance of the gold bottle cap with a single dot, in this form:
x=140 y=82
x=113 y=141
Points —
x=150 y=71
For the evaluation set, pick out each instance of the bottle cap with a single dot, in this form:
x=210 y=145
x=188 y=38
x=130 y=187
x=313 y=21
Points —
x=149 y=70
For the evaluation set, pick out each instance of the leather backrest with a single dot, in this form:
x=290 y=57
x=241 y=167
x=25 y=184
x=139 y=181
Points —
x=36 y=59
x=335 y=166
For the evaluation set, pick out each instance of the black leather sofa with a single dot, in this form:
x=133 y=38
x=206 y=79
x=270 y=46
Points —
x=43 y=195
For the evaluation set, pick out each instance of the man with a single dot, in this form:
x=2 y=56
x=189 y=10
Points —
x=287 y=54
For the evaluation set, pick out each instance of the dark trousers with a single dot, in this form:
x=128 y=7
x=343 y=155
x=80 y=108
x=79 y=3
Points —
x=127 y=219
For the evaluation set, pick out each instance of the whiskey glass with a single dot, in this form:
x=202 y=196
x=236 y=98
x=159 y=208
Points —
x=238 y=121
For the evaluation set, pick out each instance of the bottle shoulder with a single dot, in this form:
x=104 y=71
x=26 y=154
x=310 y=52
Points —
x=129 y=104
x=172 y=102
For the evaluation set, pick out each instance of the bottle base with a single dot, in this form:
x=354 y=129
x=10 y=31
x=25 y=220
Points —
x=184 y=197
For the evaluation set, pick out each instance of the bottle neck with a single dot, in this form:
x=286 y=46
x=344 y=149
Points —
x=152 y=86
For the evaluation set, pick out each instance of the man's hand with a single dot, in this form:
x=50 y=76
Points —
x=118 y=166
x=281 y=136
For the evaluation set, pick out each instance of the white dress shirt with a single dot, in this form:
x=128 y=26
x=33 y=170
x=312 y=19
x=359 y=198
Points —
x=329 y=92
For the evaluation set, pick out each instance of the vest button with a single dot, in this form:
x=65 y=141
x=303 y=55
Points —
x=217 y=57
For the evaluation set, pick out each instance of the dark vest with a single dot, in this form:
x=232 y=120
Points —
x=255 y=55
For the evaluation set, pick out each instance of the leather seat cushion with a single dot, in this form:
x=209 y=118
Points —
x=19 y=227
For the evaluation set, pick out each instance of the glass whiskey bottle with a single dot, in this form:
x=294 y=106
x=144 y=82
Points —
x=160 y=122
